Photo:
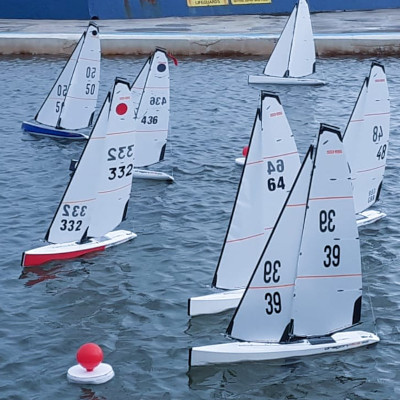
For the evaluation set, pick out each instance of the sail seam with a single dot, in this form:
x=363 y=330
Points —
x=281 y=155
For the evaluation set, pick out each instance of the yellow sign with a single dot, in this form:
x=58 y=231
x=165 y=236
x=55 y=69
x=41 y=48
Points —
x=242 y=2
x=202 y=3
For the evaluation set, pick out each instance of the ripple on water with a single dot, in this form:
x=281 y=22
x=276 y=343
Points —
x=132 y=299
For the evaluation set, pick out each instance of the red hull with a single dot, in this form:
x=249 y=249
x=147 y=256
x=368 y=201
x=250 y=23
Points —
x=31 y=260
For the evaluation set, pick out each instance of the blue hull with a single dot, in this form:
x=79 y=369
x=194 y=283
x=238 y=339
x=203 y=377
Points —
x=111 y=9
x=42 y=130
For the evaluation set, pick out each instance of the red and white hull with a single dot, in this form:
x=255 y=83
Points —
x=65 y=251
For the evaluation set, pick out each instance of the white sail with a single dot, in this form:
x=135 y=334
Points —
x=50 y=110
x=366 y=138
x=302 y=54
x=278 y=61
x=271 y=166
x=137 y=88
x=80 y=101
x=116 y=167
x=294 y=53
x=152 y=115
x=74 y=213
x=328 y=286
x=264 y=313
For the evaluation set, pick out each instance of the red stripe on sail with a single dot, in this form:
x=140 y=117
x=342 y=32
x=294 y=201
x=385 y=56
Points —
x=31 y=260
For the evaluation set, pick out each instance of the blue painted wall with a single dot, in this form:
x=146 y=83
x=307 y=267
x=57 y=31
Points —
x=122 y=9
x=44 y=9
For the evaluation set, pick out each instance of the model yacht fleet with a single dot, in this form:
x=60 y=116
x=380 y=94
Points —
x=290 y=265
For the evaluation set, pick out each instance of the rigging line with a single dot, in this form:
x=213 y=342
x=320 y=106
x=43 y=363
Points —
x=372 y=311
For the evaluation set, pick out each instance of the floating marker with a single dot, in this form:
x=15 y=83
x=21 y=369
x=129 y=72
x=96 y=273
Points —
x=245 y=151
x=90 y=369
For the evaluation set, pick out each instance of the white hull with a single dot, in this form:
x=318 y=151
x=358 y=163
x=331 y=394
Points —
x=252 y=351
x=276 y=80
x=101 y=374
x=369 y=216
x=153 y=175
x=63 y=251
x=214 y=303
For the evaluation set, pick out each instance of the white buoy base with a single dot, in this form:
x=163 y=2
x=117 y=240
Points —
x=101 y=374
x=240 y=161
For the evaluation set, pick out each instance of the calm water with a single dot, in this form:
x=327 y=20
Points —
x=132 y=299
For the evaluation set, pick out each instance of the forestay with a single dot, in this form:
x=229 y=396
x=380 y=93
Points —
x=366 y=138
x=152 y=114
x=270 y=168
x=328 y=287
x=74 y=212
x=72 y=100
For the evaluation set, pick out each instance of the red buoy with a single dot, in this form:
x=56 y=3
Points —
x=245 y=151
x=89 y=356
x=90 y=370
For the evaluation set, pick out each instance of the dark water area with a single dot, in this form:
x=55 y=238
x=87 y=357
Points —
x=132 y=299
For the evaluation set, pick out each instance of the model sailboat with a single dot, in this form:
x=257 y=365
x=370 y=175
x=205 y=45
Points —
x=96 y=199
x=271 y=166
x=150 y=95
x=366 y=141
x=71 y=103
x=307 y=286
x=293 y=57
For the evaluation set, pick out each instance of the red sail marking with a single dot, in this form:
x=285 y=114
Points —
x=245 y=238
x=281 y=155
x=31 y=260
x=121 y=109
x=334 y=152
x=272 y=287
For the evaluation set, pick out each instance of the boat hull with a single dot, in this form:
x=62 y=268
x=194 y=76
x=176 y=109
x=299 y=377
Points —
x=66 y=251
x=152 y=175
x=214 y=303
x=369 y=216
x=235 y=352
x=35 y=128
x=276 y=80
